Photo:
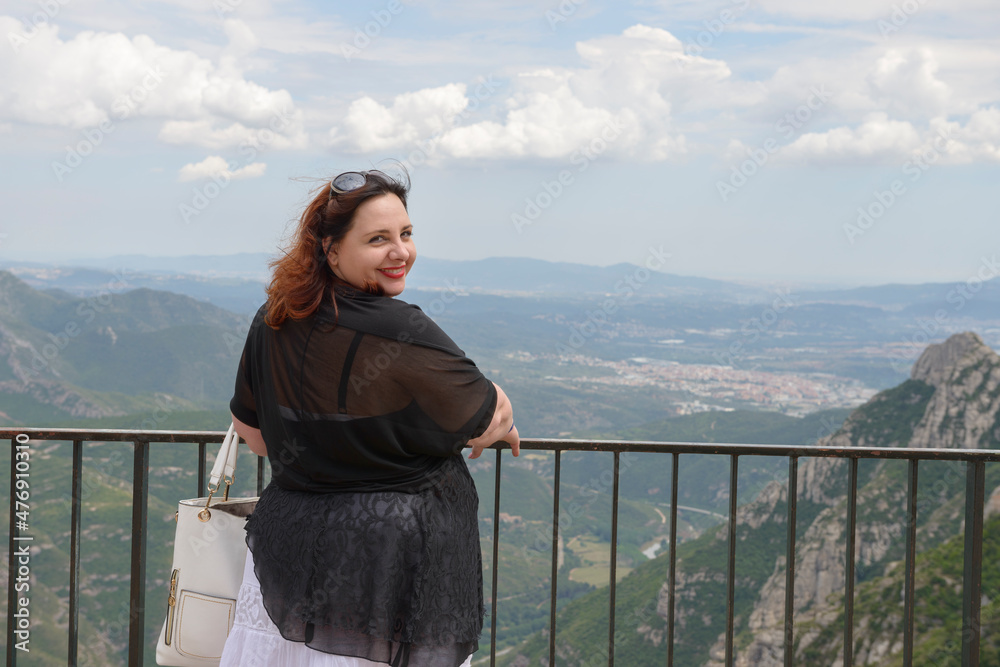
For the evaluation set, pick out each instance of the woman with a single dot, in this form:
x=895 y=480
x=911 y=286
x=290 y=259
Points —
x=365 y=544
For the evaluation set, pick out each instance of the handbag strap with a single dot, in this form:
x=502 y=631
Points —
x=224 y=469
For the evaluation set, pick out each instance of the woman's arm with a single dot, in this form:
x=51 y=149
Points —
x=252 y=436
x=501 y=428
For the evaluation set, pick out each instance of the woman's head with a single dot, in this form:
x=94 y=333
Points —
x=332 y=239
x=377 y=251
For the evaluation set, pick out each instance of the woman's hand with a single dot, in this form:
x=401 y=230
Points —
x=501 y=428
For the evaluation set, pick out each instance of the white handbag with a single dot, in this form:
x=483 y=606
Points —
x=210 y=552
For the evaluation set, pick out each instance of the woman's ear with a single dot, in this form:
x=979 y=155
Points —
x=330 y=249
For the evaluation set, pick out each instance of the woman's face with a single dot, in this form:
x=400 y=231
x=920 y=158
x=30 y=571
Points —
x=378 y=247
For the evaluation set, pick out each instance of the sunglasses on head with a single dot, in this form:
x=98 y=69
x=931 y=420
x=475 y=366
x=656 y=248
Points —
x=350 y=181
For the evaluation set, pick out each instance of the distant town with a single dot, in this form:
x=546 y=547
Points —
x=716 y=387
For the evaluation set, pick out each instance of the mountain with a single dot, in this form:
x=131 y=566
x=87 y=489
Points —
x=234 y=290
x=131 y=358
x=510 y=275
x=951 y=400
x=114 y=353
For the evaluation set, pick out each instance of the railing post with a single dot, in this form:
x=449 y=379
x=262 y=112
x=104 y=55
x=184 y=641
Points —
x=555 y=557
x=975 y=491
x=909 y=574
x=731 y=576
x=201 y=470
x=793 y=492
x=496 y=563
x=614 y=566
x=672 y=575
x=74 y=555
x=852 y=519
x=137 y=583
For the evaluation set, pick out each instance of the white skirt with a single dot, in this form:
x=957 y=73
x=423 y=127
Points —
x=255 y=642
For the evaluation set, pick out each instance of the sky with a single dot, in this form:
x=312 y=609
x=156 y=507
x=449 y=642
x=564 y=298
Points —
x=846 y=143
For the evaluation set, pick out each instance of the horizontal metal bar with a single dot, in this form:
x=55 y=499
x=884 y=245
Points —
x=114 y=435
x=561 y=445
x=737 y=449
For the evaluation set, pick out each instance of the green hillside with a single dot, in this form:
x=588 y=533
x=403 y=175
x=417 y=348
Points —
x=116 y=353
x=938 y=629
x=893 y=418
x=704 y=479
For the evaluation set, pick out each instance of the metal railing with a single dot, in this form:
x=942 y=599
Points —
x=975 y=461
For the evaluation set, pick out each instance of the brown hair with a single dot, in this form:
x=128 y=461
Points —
x=301 y=278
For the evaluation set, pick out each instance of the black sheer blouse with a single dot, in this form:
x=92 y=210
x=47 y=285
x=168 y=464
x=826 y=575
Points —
x=366 y=542
x=365 y=396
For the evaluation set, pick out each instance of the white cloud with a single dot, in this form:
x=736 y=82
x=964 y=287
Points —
x=242 y=40
x=883 y=140
x=216 y=167
x=96 y=77
x=977 y=141
x=626 y=89
x=210 y=134
x=370 y=126
x=877 y=139
x=866 y=10
x=907 y=85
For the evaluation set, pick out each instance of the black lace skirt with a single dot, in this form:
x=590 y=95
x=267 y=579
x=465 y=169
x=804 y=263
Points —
x=390 y=576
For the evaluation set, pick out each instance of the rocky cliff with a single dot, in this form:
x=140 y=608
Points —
x=951 y=401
